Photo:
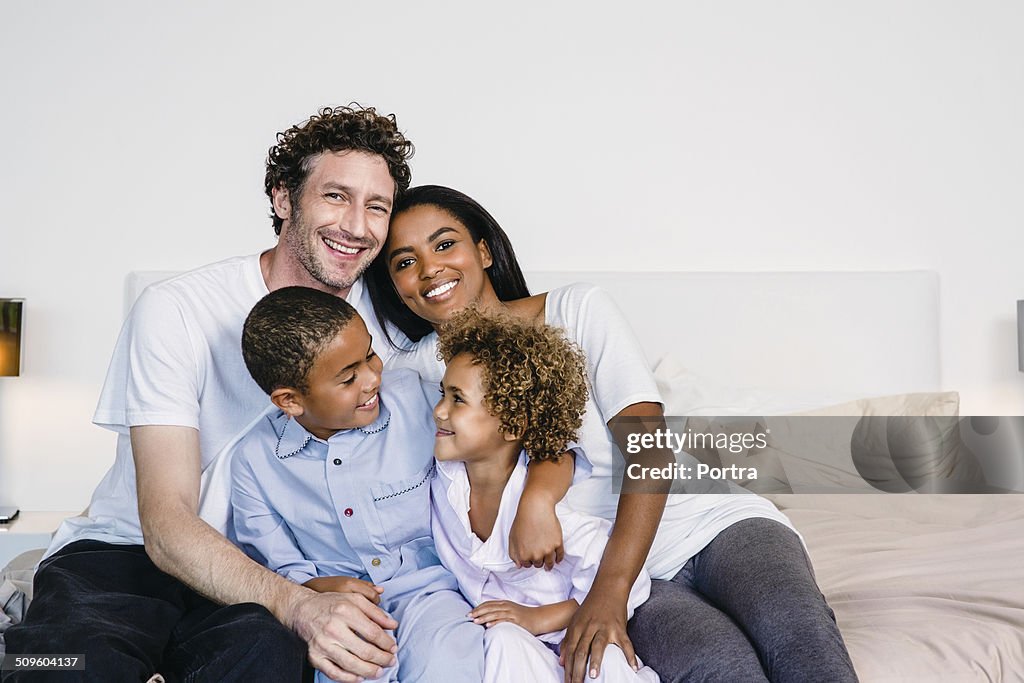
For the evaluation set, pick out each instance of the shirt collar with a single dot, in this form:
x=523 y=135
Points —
x=292 y=437
x=491 y=554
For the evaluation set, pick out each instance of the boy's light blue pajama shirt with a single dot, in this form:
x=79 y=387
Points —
x=358 y=505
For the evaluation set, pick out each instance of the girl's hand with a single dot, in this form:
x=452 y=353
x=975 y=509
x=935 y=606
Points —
x=346 y=584
x=498 y=611
x=599 y=622
x=535 y=539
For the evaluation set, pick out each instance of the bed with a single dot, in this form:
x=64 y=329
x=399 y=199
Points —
x=924 y=587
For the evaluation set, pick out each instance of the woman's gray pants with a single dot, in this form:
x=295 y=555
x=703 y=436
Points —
x=744 y=609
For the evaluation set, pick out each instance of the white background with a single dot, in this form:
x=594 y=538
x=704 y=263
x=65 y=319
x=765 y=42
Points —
x=745 y=135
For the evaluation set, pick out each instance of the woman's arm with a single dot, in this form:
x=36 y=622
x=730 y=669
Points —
x=535 y=539
x=536 y=620
x=601 y=619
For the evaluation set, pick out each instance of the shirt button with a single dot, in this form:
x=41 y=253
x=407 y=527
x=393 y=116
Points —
x=348 y=512
x=337 y=461
x=375 y=562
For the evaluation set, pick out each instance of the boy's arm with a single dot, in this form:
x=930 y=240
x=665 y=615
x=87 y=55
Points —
x=535 y=539
x=343 y=630
x=345 y=584
x=260 y=531
x=536 y=620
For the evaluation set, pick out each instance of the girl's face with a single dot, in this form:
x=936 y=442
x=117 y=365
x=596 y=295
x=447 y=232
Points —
x=436 y=267
x=466 y=430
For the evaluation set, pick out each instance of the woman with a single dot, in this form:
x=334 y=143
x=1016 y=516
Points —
x=737 y=599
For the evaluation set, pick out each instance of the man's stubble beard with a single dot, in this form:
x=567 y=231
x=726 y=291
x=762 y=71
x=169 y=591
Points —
x=303 y=244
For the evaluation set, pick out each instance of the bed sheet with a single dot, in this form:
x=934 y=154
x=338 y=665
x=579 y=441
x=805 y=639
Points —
x=924 y=587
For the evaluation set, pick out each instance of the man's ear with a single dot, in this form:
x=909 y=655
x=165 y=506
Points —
x=282 y=202
x=289 y=400
x=485 y=253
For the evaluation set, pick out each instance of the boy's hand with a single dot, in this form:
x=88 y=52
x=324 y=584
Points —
x=535 y=539
x=497 y=611
x=346 y=584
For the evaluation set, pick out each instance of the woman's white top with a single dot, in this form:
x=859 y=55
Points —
x=619 y=377
x=485 y=571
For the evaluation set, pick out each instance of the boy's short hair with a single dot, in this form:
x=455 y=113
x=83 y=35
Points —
x=534 y=379
x=286 y=330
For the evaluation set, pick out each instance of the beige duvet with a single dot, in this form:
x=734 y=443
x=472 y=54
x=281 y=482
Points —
x=924 y=587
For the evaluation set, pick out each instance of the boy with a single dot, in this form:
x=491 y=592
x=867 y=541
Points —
x=332 y=490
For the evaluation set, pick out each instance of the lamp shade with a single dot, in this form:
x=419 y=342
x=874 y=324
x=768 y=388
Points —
x=11 y=319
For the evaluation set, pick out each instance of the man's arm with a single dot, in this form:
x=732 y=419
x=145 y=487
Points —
x=343 y=630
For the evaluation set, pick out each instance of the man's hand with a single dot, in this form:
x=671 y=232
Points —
x=599 y=622
x=346 y=637
x=346 y=584
x=535 y=539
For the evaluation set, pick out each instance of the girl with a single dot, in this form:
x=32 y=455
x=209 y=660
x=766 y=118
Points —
x=513 y=392
x=736 y=598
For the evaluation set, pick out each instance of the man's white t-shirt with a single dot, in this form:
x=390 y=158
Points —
x=178 y=361
x=619 y=376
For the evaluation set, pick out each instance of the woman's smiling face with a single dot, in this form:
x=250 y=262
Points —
x=434 y=264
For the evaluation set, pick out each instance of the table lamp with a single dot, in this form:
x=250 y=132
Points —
x=10 y=360
x=10 y=336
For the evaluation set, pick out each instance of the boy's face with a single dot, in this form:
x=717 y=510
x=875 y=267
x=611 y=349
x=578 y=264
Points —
x=343 y=384
x=465 y=429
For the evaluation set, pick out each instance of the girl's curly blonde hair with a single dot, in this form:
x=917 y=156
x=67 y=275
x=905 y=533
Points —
x=534 y=379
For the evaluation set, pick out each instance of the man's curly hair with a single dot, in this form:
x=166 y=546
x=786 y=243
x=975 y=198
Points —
x=335 y=129
x=534 y=379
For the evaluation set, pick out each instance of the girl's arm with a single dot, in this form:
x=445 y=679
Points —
x=536 y=620
x=601 y=619
x=535 y=539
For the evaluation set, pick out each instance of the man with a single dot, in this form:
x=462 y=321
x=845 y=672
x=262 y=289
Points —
x=139 y=585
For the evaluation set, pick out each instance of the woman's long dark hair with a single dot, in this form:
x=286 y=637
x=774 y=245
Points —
x=504 y=272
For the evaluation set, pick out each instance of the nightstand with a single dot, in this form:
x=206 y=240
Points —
x=29 y=530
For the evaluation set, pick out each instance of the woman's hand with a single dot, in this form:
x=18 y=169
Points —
x=600 y=621
x=346 y=584
x=535 y=539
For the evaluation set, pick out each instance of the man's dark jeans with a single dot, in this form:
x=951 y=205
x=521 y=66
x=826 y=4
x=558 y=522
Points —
x=130 y=620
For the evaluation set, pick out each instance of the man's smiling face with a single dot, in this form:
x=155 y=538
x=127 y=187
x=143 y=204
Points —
x=340 y=220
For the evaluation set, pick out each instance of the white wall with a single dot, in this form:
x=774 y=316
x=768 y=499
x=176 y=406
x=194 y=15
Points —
x=746 y=135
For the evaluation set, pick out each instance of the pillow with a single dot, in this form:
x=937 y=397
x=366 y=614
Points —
x=869 y=445
x=811 y=448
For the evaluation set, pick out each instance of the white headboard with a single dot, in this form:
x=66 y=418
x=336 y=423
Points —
x=837 y=334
